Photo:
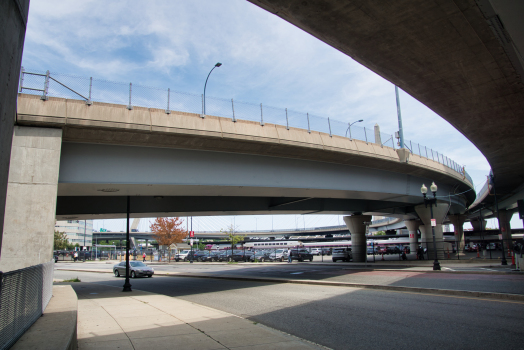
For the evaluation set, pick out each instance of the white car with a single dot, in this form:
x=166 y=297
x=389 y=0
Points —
x=343 y=254
x=183 y=254
x=316 y=251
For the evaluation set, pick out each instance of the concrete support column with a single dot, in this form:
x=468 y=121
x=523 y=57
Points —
x=412 y=226
x=147 y=240
x=439 y=213
x=423 y=236
x=505 y=228
x=478 y=225
x=458 y=224
x=357 y=228
x=29 y=221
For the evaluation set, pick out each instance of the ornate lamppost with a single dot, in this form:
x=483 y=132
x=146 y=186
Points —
x=431 y=201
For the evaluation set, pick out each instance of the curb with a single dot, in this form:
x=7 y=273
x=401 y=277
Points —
x=433 y=291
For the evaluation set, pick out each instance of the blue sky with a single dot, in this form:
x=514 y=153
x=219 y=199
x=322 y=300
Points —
x=265 y=60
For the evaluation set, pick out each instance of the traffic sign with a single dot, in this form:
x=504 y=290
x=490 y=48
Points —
x=192 y=234
x=191 y=241
x=433 y=222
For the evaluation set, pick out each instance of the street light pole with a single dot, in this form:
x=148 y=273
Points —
x=85 y=224
x=424 y=190
x=492 y=180
x=191 y=259
x=216 y=65
x=127 y=285
x=349 y=127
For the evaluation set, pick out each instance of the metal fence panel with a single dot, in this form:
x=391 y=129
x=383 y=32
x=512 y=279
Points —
x=76 y=87
x=24 y=294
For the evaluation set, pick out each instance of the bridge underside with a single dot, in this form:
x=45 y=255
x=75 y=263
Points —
x=95 y=180
x=458 y=57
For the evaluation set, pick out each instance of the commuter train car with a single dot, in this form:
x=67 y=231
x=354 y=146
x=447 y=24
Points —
x=273 y=244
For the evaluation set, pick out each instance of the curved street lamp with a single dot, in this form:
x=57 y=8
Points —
x=216 y=65
x=431 y=201
x=349 y=127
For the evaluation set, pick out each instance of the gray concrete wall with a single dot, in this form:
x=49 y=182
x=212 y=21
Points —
x=13 y=19
x=31 y=197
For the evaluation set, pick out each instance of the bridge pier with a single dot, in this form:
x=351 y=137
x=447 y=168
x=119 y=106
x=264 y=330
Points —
x=458 y=224
x=439 y=214
x=412 y=226
x=29 y=221
x=478 y=225
x=505 y=228
x=357 y=228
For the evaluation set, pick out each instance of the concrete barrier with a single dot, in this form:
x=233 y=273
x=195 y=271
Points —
x=56 y=329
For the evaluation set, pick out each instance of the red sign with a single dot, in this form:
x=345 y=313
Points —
x=411 y=235
x=192 y=234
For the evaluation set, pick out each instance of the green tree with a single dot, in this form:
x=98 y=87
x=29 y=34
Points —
x=201 y=246
x=380 y=233
x=61 y=242
x=232 y=236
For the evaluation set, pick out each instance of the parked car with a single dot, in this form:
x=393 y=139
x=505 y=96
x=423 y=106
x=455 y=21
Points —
x=278 y=255
x=183 y=254
x=301 y=255
x=343 y=254
x=214 y=255
x=196 y=255
x=136 y=269
x=260 y=255
x=316 y=251
x=240 y=255
x=326 y=251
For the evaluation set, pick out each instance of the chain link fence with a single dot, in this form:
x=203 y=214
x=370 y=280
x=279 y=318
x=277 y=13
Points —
x=24 y=295
x=91 y=90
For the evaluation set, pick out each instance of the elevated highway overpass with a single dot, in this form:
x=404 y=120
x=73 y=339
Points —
x=461 y=58
x=181 y=164
x=90 y=159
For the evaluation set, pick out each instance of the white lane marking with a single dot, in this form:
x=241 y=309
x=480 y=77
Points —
x=296 y=273
x=447 y=268
x=483 y=268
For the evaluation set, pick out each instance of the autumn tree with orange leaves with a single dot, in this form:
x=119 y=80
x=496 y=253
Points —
x=168 y=231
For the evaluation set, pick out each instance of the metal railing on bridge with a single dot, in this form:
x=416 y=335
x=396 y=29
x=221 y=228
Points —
x=96 y=90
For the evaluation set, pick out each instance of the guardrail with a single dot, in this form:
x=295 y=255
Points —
x=24 y=295
x=95 y=90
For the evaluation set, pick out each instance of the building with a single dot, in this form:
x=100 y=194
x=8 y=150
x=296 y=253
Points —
x=74 y=229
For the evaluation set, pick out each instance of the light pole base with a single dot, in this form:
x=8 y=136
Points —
x=127 y=287
x=436 y=266
x=504 y=262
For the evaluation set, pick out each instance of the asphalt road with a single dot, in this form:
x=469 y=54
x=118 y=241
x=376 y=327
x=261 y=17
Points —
x=496 y=283
x=348 y=318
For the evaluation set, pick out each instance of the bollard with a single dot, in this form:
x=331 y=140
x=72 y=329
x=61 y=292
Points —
x=513 y=259
x=478 y=252
x=382 y=256
x=448 y=253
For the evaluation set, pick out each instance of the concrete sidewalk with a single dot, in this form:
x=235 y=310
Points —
x=111 y=319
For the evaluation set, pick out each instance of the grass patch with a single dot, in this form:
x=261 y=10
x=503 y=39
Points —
x=76 y=279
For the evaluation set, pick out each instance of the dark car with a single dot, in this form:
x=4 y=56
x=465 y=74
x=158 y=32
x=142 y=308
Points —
x=260 y=255
x=301 y=255
x=136 y=269
x=326 y=251
x=240 y=255
x=197 y=255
